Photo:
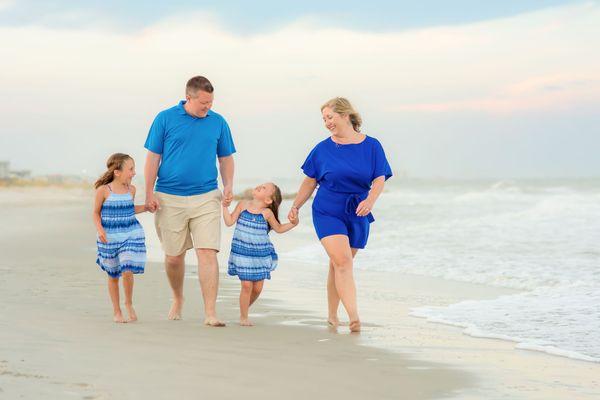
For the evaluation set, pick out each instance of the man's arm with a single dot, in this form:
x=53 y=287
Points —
x=226 y=168
x=150 y=173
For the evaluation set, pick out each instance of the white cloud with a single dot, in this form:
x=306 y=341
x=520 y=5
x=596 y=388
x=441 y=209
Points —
x=70 y=83
x=5 y=4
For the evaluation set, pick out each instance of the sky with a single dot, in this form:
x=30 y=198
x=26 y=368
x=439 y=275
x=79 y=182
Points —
x=461 y=89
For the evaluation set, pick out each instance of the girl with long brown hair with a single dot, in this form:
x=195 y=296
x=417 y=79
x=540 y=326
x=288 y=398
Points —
x=253 y=256
x=121 y=240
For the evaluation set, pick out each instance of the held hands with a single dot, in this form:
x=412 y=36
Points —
x=365 y=207
x=152 y=203
x=293 y=216
x=227 y=196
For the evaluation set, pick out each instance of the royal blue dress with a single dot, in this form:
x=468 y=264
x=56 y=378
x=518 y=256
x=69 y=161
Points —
x=344 y=173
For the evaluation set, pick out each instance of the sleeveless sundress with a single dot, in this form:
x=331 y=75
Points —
x=252 y=256
x=125 y=249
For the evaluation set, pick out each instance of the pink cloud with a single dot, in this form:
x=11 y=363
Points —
x=539 y=93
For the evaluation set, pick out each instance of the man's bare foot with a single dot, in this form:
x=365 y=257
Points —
x=132 y=315
x=214 y=322
x=118 y=318
x=175 y=311
x=355 y=326
x=246 y=322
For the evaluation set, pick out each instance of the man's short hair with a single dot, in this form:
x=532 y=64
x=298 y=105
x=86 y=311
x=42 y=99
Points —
x=198 y=83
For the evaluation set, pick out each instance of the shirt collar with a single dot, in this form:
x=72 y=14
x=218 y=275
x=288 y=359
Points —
x=182 y=111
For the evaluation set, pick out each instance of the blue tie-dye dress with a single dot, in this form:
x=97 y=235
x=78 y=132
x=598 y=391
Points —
x=125 y=249
x=252 y=256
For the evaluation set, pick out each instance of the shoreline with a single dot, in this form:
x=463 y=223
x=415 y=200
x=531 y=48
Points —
x=58 y=310
x=502 y=369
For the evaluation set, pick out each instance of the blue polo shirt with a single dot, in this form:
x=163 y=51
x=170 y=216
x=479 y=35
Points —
x=189 y=147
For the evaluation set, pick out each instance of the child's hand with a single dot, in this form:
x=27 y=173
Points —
x=102 y=236
x=227 y=195
x=294 y=220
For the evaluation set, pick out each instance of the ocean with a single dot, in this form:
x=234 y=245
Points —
x=541 y=237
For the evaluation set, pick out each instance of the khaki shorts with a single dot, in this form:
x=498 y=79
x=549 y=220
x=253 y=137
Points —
x=186 y=222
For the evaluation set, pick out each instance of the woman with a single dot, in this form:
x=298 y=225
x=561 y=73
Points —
x=350 y=169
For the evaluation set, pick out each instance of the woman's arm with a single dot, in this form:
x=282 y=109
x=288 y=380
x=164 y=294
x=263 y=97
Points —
x=304 y=192
x=275 y=225
x=98 y=201
x=231 y=219
x=366 y=206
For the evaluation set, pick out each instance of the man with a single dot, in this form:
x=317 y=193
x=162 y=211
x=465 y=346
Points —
x=182 y=145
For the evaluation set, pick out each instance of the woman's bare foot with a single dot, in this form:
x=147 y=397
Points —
x=132 y=315
x=175 y=311
x=118 y=318
x=355 y=326
x=214 y=322
x=246 y=322
x=333 y=322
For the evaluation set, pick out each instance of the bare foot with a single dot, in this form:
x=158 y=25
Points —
x=214 y=322
x=131 y=312
x=118 y=318
x=333 y=322
x=355 y=326
x=175 y=311
x=245 y=322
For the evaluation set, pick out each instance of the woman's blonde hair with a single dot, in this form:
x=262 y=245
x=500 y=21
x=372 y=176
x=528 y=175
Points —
x=343 y=106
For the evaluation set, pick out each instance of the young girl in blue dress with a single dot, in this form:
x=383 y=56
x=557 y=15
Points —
x=121 y=241
x=253 y=256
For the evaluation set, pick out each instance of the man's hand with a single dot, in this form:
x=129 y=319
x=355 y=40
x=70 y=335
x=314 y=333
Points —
x=227 y=196
x=152 y=204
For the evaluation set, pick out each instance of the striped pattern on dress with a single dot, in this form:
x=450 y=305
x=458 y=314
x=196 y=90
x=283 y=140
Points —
x=126 y=248
x=252 y=256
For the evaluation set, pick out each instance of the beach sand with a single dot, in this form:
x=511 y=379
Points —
x=57 y=340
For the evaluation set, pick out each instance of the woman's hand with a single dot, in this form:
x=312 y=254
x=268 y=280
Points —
x=365 y=207
x=294 y=220
x=293 y=215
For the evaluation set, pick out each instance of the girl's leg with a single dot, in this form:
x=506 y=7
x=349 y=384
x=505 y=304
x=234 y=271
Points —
x=256 y=289
x=333 y=300
x=245 y=294
x=128 y=289
x=340 y=254
x=113 y=291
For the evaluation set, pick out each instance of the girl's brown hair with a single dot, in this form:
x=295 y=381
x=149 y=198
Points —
x=114 y=163
x=274 y=206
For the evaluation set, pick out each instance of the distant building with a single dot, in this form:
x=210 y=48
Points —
x=4 y=169
x=21 y=174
